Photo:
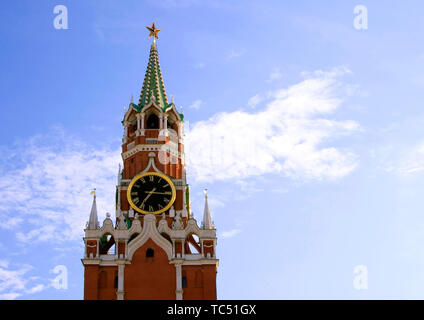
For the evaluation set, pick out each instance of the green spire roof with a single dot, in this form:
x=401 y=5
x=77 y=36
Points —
x=153 y=83
x=153 y=87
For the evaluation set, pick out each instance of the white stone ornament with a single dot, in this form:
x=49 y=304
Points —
x=172 y=212
x=178 y=223
x=121 y=224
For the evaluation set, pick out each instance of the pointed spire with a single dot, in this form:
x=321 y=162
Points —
x=153 y=85
x=93 y=222
x=207 y=220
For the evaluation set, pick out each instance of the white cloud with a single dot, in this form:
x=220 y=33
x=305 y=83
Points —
x=13 y=283
x=275 y=75
x=403 y=160
x=230 y=233
x=196 y=104
x=35 y=289
x=286 y=137
x=415 y=163
x=254 y=101
x=11 y=223
x=235 y=54
x=9 y=296
x=48 y=187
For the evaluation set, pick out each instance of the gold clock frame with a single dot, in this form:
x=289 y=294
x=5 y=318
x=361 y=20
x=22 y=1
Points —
x=145 y=174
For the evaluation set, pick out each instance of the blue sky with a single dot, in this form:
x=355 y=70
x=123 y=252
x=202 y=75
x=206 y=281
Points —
x=306 y=131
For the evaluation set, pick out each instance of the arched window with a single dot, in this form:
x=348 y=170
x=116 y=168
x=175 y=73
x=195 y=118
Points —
x=192 y=244
x=107 y=244
x=152 y=122
x=150 y=253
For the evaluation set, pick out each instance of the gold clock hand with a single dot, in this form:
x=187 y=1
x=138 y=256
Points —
x=169 y=192
x=150 y=193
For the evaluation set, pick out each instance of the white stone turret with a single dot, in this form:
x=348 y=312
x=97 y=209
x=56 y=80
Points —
x=93 y=222
x=207 y=220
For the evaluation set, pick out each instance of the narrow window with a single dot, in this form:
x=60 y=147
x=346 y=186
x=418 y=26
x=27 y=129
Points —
x=150 y=253
x=115 y=283
x=184 y=282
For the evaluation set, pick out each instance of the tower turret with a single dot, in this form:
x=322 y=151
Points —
x=93 y=221
x=207 y=220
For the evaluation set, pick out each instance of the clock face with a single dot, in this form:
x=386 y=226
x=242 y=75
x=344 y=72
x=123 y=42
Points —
x=151 y=192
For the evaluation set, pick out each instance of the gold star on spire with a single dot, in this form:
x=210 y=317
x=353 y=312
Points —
x=153 y=32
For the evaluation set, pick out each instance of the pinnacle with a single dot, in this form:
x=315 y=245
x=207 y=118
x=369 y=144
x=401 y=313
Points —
x=153 y=83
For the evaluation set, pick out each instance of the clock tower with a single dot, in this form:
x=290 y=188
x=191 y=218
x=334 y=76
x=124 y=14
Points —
x=155 y=249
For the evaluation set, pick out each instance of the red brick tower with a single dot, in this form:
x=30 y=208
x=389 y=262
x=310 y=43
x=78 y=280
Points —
x=155 y=249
